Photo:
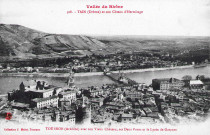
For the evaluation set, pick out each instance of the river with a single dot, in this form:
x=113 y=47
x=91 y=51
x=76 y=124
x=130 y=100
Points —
x=8 y=83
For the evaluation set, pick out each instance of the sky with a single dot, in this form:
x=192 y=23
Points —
x=159 y=17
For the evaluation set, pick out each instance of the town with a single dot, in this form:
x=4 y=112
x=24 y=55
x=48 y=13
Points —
x=99 y=63
x=166 y=100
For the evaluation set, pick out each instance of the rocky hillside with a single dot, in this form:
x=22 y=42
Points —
x=21 y=42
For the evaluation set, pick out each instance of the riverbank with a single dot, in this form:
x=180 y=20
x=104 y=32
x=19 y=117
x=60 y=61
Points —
x=152 y=69
x=3 y=95
x=49 y=74
x=90 y=73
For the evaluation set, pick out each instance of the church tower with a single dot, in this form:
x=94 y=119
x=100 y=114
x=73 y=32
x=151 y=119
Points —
x=22 y=87
x=71 y=78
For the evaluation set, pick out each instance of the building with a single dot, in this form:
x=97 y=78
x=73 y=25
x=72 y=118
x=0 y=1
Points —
x=196 y=85
x=62 y=103
x=39 y=93
x=134 y=95
x=67 y=117
x=167 y=84
x=141 y=86
x=17 y=105
x=68 y=96
x=40 y=89
x=33 y=89
x=97 y=101
x=115 y=106
x=96 y=92
x=126 y=117
x=206 y=83
x=44 y=102
x=35 y=84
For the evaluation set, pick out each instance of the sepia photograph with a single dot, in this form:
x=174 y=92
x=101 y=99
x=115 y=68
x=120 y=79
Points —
x=105 y=67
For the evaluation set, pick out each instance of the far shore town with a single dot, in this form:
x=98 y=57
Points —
x=166 y=100
x=126 y=62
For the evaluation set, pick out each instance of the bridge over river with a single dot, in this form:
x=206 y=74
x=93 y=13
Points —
x=120 y=78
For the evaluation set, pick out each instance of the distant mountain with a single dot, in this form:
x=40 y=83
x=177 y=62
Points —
x=24 y=43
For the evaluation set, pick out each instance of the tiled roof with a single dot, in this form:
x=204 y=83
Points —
x=43 y=99
x=127 y=115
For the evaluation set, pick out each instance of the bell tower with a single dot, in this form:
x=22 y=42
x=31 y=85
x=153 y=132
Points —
x=71 y=78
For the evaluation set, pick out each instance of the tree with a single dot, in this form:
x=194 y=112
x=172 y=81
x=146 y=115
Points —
x=187 y=77
x=202 y=77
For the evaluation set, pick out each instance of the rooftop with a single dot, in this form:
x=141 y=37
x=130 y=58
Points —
x=40 y=91
x=195 y=82
x=44 y=99
x=66 y=92
x=22 y=105
x=45 y=89
x=167 y=80
x=34 y=82
x=127 y=115
x=97 y=100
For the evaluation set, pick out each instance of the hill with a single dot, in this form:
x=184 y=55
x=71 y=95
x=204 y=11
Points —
x=19 y=42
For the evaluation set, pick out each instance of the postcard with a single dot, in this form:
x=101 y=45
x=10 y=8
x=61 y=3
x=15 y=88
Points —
x=138 y=67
